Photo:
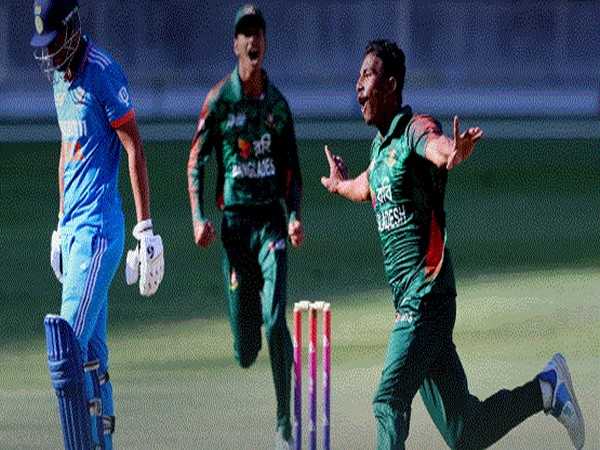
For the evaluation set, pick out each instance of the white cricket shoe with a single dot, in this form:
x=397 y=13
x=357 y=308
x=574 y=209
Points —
x=281 y=443
x=559 y=398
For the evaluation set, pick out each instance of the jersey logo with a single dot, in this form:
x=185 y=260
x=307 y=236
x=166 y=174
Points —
x=270 y=122
x=72 y=129
x=124 y=96
x=245 y=148
x=78 y=94
x=391 y=157
x=235 y=120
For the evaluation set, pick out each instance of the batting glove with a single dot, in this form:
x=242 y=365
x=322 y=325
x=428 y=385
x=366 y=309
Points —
x=55 y=254
x=145 y=262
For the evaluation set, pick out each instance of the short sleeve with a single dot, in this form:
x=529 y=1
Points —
x=113 y=94
x=419 y=129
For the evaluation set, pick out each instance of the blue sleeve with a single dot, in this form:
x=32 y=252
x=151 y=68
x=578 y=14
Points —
x=113 y=94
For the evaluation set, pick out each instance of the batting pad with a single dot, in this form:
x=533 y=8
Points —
x=66 y=373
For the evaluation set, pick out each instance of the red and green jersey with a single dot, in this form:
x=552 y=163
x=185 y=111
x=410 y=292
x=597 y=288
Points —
x=255 y=147
x=407 y=194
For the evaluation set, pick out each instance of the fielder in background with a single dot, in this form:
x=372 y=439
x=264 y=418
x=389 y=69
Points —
x=405 y=182
x=96 y=120
x=248 y=124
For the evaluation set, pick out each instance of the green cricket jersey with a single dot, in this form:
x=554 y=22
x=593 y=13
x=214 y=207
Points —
x=255 y=146
x=407 y=194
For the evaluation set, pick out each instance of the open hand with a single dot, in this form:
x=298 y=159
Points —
x=464 y=144
x=337 y=171
x=204 y=233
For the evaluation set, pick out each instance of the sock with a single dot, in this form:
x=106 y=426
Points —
x=546 y=389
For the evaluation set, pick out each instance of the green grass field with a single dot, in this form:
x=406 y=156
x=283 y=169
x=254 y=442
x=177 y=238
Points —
x=525 y=235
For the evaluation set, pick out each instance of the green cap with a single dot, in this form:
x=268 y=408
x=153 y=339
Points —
x=249 y=15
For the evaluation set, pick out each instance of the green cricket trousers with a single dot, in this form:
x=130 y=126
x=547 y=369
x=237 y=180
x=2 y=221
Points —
x=255 y=270
x=421 y=356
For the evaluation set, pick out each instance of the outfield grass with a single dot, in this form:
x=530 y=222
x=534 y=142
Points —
x=524 y=231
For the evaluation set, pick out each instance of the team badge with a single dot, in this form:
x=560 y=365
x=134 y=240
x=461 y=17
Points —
x=270 y=122
x=39 y=23
x=245 y=148
x=249 y=10
x=391 y=157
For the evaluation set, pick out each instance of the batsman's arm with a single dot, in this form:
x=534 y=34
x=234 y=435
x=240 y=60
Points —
x=354 y=189
x=441 y=150
x=129 y=136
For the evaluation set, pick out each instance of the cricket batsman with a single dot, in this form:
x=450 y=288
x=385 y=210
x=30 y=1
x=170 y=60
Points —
x=405 y=183
x=246 y=121
x=96 y=119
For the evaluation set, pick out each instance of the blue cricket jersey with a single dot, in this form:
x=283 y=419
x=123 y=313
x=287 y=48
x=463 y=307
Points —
x=89 y=108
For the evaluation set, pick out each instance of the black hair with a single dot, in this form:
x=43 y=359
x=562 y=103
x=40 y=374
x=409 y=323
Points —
x=393 y=59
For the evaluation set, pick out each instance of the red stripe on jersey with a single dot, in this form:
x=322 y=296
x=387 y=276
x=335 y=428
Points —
x=435 y=250
x=129 y=115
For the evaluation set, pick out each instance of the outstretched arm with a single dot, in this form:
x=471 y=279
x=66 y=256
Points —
x=355 y=189
x=446 y=152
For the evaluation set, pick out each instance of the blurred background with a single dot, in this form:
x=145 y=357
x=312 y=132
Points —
x=485 y=58
x=523 y=213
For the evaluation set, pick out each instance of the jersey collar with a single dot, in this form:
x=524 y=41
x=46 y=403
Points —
x=397 y=125
x=236 y=85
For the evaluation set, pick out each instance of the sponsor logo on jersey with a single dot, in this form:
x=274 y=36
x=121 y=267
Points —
x=72 y=129
x=235 y=120
x=254 y=169
x=263 y=145
x=383 y=193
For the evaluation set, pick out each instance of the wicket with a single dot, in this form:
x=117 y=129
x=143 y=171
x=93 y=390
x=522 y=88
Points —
x=313 y=308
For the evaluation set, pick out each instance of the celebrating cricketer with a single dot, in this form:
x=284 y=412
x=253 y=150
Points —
x=405 y=183
x=246 y=121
